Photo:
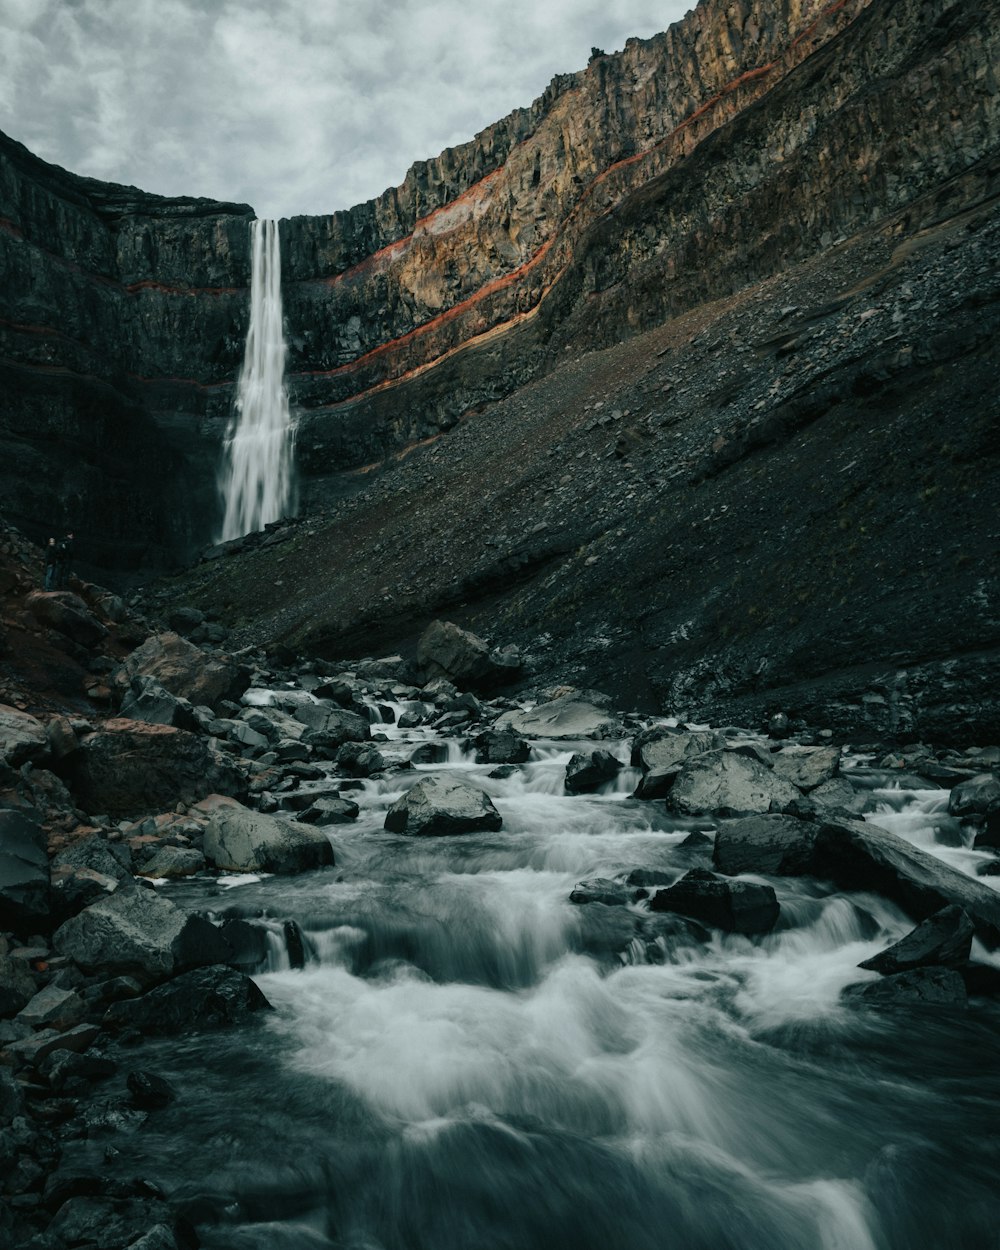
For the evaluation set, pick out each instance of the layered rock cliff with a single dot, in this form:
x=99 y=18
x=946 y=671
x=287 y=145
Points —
x=688 y=182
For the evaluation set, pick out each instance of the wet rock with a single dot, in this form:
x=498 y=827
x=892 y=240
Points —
x=500 y=747
x=921 y=987
x=735 y=906
x=839 y=793
x=22 y=737
x=728 y=781
x=359 y=759
x=109 y=1223
x=429 y=753
x=572 y=715
x=247 y=944
x=807 y=767
x=771 y=844
x=601 y=890
x=943 y=938
x=330 y=811
x=24 y=871
x=17 y=985
x=447 y=651
x=45 y=1042
x=133 y=929
x=149 y=1091
x=646 y=877
x=976 y=797
x=586 y=773
x=53 y=1008
x=11 y=1096
x=442 y=804
x=128 y=768
x=183 y=670
x=988 y=838
x=330 y=727
x=205 y=998
x=97 y=853
x=239 y=840
x=64 y=1066
x=662 y=747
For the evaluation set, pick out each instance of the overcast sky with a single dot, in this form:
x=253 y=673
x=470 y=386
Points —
x=293 y=106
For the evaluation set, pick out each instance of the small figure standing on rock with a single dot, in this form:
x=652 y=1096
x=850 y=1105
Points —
x=51 y=564
x=64 y=557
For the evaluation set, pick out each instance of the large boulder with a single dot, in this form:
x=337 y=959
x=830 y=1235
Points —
x=67 y=614
x=729 y=781
x=664 y=747
x=330 y=726
x=586 y=773
x=445 y=650
x=504 y=747
x=24 y=871
x=443 y=804
x=184 y=670
x=920 y=988
x=735 y=906
x=214 y=997
x=132 y=930
x=572 y=715
x=22 y=737
x=975 y=797
x=857 y=855
x=239 y=840
x=807 y=767
x=147 y=700
x=128 y=768
x=944 y=938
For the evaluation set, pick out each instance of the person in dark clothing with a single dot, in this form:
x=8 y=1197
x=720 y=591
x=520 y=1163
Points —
x=65 y=560
x=51 y=564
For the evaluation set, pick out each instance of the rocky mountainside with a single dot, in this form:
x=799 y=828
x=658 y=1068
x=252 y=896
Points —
x=681 y=378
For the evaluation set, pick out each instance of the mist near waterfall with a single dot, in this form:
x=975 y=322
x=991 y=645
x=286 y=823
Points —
x=257 y=477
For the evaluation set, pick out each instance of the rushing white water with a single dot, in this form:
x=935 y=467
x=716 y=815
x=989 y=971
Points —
x=256 y=479
x=469 y=1059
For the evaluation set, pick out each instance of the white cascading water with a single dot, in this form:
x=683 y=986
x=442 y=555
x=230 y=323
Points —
x=256 y=477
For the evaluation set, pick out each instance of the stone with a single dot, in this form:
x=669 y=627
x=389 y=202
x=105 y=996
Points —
x=96 y=853
x=445 y=650
x=146 y=700
x=205 y=998
x=128 y=768
x=331 y=726
x=67 y=614
x=601 y=890
x=17 y=986
x=728 y=781
x=239 y=840
x=429 y=753
x=571 y=715
x=442 y=804
x=975 y=797
x=171 y=862
x=45 y=1042
x=499 y=747
x=24 y=871
x=247 y=944
x=735 y=906
x=943 y=938
x=149 y=1091
x=184 y=670
x=184 y=621
x=359 y=759
x=11 y=1096
x=806 y=767
x=988 y=838
x=770 y=844
x=839 y=793
x=22 y=737
x=104 y=1223
x=586 y=773
x=920 y=987
x=664 y=748
x=53 y=1008
x=133 y=929
x=330 y=811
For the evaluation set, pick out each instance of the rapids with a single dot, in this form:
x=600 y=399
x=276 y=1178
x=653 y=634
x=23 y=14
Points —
x=468 y=1062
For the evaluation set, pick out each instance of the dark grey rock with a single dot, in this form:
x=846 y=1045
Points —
x=24 y=871
x=330 y=811
x=586 y=773
x=921 y=987
x=22 y=737
x=239 y=840
x=359 y=759
x=735 y=906
x=206 y=998
x=497 y=747
x=729 y=781
x=442 y=804
x=975 y=797
x=601 y=890
x=943 y=938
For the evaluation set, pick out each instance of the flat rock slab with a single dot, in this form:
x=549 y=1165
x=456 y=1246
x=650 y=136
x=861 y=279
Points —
x=240 y=840
x=443 y=804
x=569 y=716
x=729 y=781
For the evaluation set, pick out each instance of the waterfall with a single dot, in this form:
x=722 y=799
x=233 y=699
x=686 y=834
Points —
x=256 y=476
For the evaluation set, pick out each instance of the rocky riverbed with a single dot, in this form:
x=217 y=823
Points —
x=410 y=952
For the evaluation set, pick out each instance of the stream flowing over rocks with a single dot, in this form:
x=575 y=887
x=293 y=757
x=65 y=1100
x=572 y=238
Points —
x=432 y=969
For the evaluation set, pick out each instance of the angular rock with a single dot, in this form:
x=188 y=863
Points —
x=975 y=797
x=443 y=804
x=239 y=840
x=330 y=811
x=447 y=651
x=943 y=938
x=429 y=753
x=586 y=773
x=330 y=727
x=24 y=871
x=728 y=781
x=663 y=748
x=601 y=890
x=17 y=986
x=771 y=844
x=53 y=1008
x=22 y=737
x=572 y=715
x=184 y=670
x=838 y=792
x=497 y=747
x=920 y=987
x=807 y=767
x=171 y=862
x=149 y=1091
x=359 y=759
x=132 y=930
x=205 y=998
x=148 y=701
x=128 y=768
x=111 y=1223
x=247 y=944
x=67 y=614
x=735 y=906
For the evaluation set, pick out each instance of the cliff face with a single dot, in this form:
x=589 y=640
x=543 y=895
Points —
x=678 y=188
